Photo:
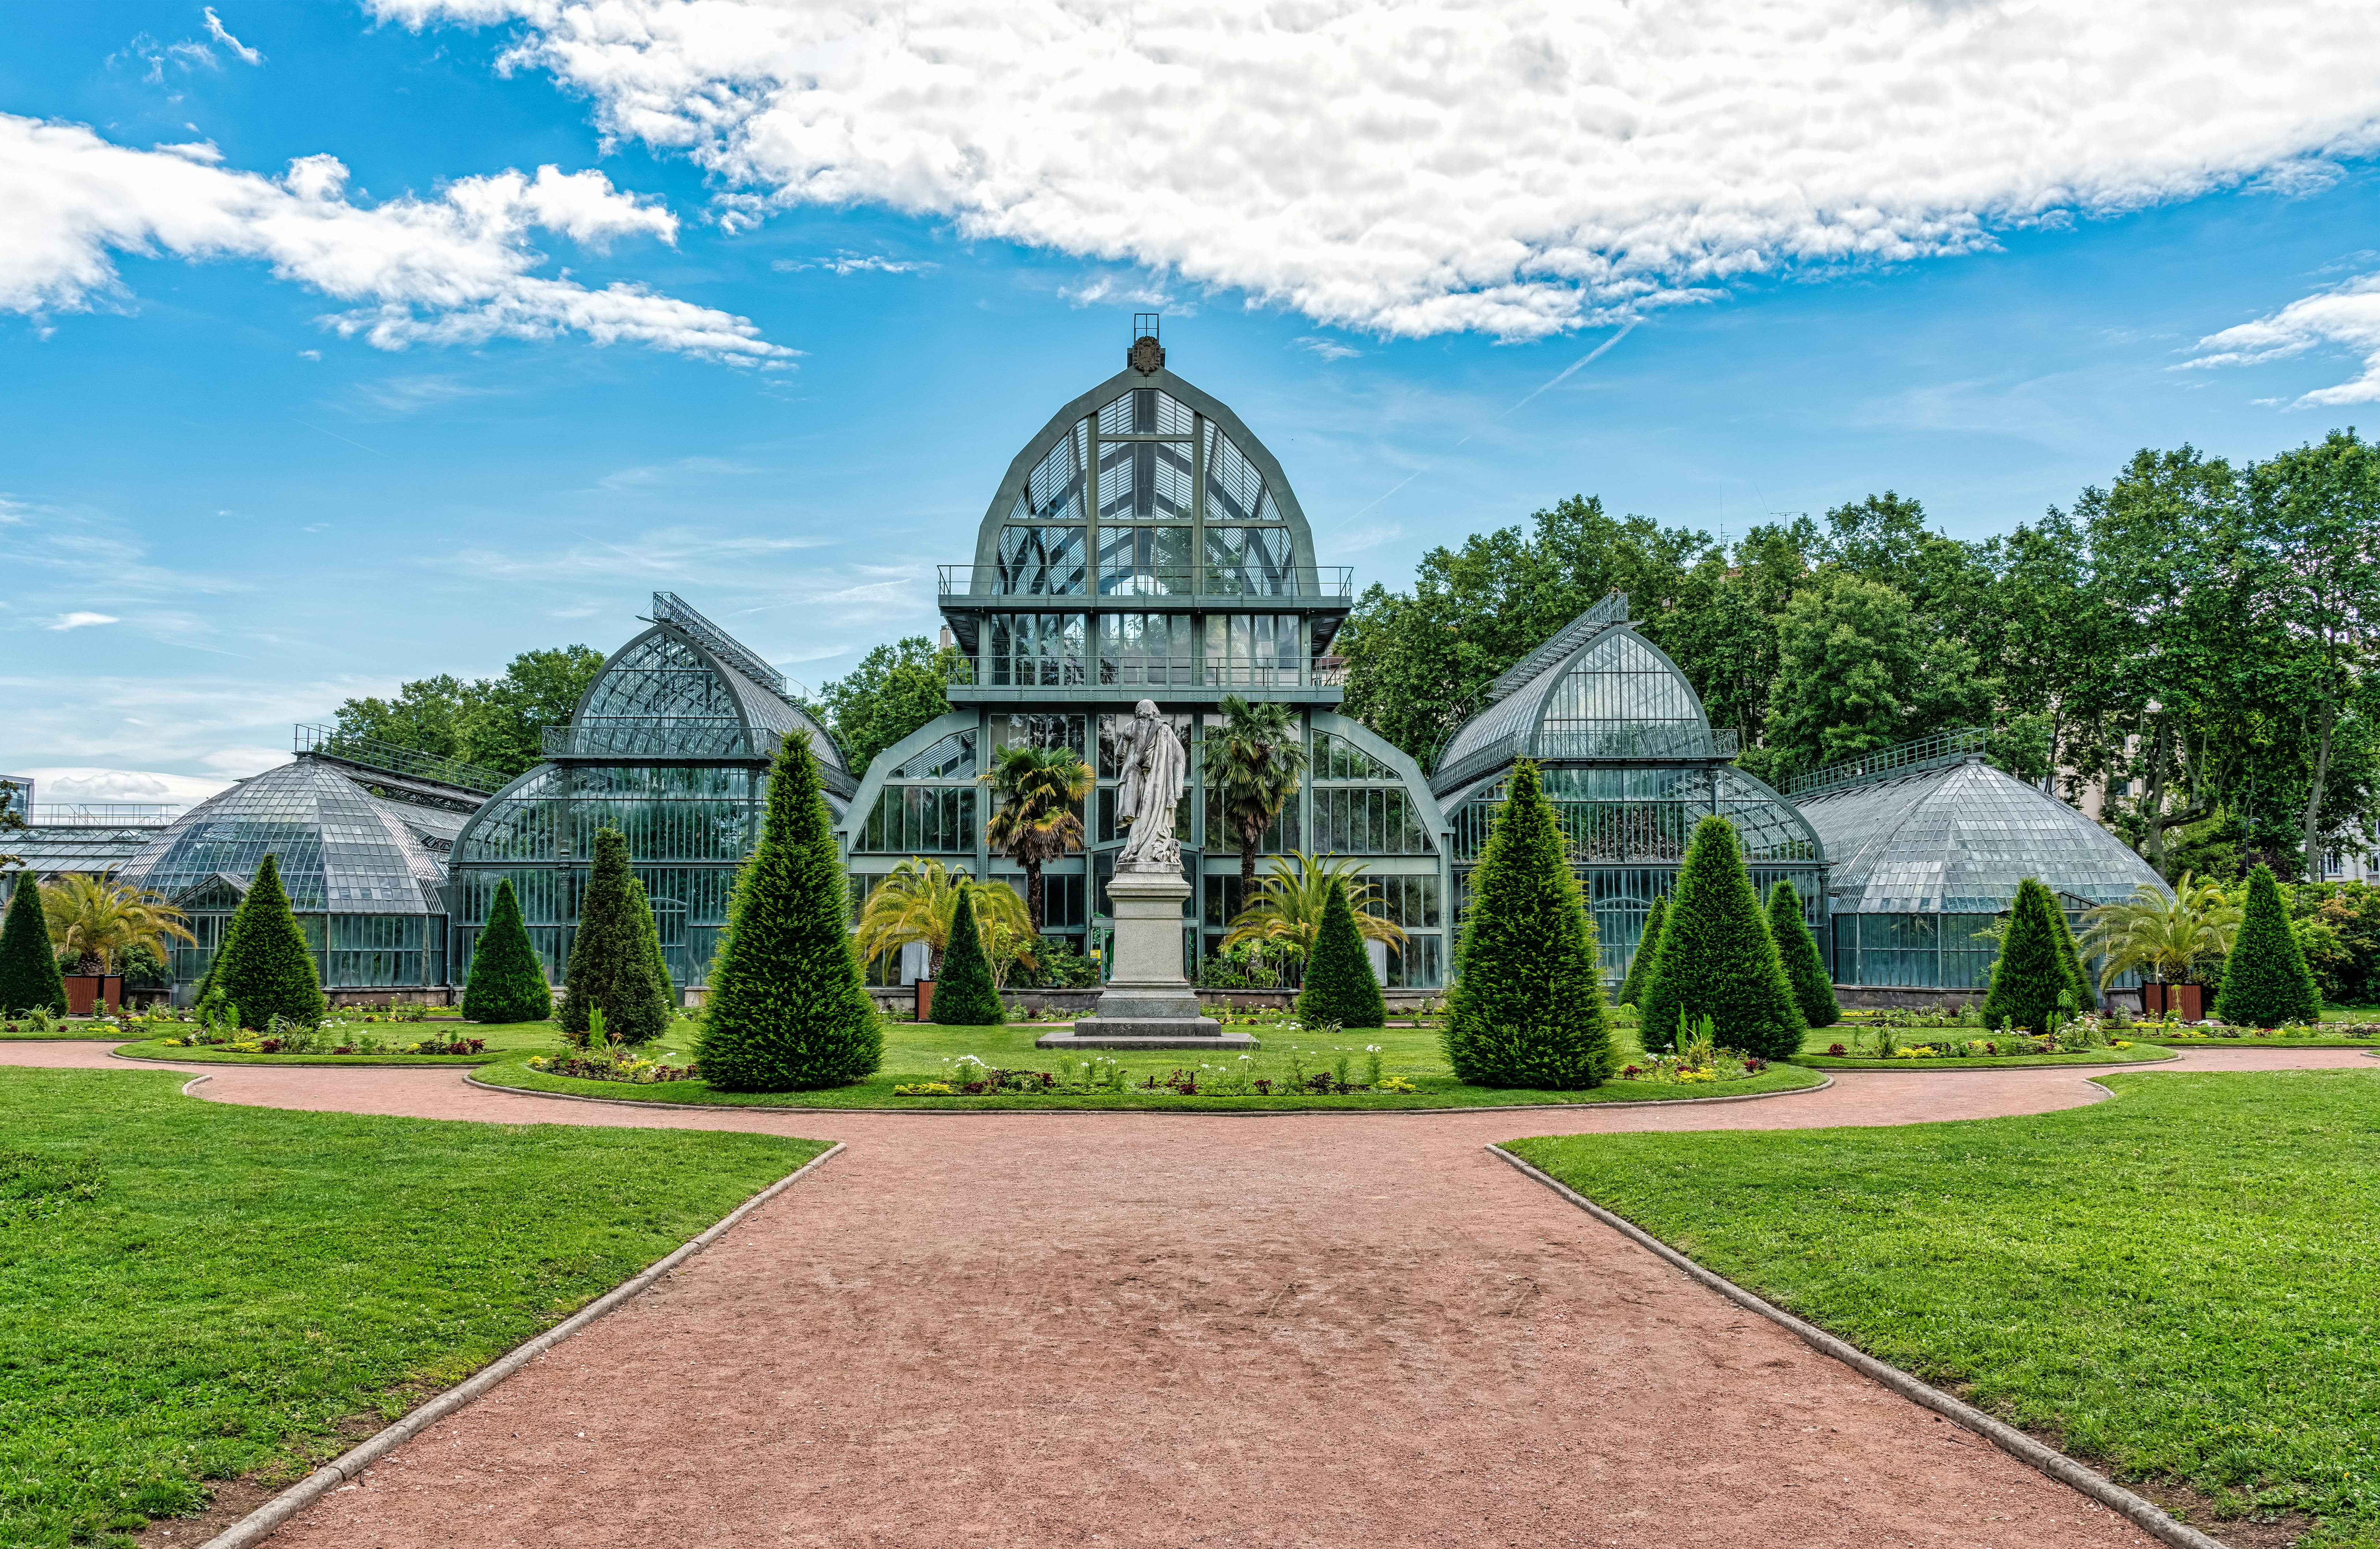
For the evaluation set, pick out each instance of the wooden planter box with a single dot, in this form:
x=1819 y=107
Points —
x=2189 y=1000
x=925 y=1000
x=86 y=990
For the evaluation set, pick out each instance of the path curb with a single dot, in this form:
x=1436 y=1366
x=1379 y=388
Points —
x=2143 y=1514
x=1931 y=1068
x=471 y=1078
x=259 y=1524
x=454 y=1062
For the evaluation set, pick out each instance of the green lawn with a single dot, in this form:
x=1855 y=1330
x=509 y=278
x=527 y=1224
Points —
x=2137 y=1054
x=2178 y=1284
x=245 y=1280
x=917 y=1052
x=502 y=1038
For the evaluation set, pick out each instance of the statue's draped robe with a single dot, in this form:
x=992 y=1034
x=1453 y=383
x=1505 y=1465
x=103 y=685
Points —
x=1147 y=794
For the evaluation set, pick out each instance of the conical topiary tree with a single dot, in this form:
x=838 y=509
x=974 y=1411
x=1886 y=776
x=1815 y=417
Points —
x=507 y=981
x=1805 y=968
x=1339 y=983
x=2087 y=994
x=787 y=1011
x=610 y=964
x=656 y=959
x=2265 y=982
x=28 y=964
x=1648 y=951
x=1718 y=958
x=963 y=993
x=1526 y=1009
x=2034 y=966
x=264 y=967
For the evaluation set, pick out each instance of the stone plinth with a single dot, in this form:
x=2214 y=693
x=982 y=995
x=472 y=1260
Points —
x=1147 y=999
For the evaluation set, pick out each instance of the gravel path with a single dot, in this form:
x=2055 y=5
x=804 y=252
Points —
x=1146 y=1329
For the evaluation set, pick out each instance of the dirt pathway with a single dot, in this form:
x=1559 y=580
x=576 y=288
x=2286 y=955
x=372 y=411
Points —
x=1156 y=1330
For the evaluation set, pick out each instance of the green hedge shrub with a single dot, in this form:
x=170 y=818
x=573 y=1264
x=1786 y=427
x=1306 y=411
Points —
x=1648 y=952
x=507 y=981
x=264 y=967
x=2034 y=965
x=1339 y=983
x=1805 y=968
x=28 y=967
x=2265 y=982
x=610 y=964
x=1718 y=958
x=964 y=995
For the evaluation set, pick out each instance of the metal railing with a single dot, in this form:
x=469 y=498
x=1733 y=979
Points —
x=632 y=736
x=102 y=815
x=1902 y=758
x=372 y=753
x=1035 y=582
x=1612 y=609
x=1625 y=744
x=675 y=611
x=1134 y=672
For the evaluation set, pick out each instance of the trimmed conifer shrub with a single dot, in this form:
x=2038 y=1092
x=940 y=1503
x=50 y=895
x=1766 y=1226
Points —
x=656 y=959
x=964 y=995
x=787 y=1011
x=1340 y=986
x=1527 y=1009
x=2034 y=966
x=2086 y=992
x=609 y=963
x=1718 y=958
x=1805 y=968
x=507 y=983
x=28 y=966
x=264 y=967
x=2265 y=982
x=1648 y=951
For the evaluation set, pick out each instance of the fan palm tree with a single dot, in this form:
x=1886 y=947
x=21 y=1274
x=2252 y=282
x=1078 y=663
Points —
x=1040 y=790
x=1254 y=760
x=2172 y=940
x=1287 y=910
x=916 y=901
x=97 y=917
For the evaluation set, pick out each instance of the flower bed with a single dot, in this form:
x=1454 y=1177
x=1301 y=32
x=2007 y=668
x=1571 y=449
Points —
x=2191 y=1032
x=605 y=1067
x=313 y=1040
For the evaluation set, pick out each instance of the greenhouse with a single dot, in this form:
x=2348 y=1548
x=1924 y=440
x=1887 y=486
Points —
x=671 y=744
x=1631 y=764
x=1928 y=843
x=360 y=832
x=1146 y=544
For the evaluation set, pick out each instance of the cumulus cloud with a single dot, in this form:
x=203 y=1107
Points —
x=2346 y=317
x=1518 y=166
x=455 y=269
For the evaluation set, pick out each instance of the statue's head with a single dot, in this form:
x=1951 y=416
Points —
x=1147 y=711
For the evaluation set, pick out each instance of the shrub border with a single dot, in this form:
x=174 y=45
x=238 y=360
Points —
x=471 y=1078
x=254 y=1526
x=1957 y=1063
x=2143 y=1514
x=347 y=1062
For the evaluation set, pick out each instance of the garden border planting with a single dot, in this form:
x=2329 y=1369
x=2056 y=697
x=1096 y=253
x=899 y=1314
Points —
x=2142 y=1513
x=471 y=1078
x=2003 y=1062
x=212 y=1056
x=259 y=1524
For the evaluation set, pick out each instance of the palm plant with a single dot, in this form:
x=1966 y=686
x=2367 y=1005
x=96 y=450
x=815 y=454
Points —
x=2172 y=940
x=97 y=917
x=916 y=901
x=1041 y=792
x=1287 y=910
x=1254 y=760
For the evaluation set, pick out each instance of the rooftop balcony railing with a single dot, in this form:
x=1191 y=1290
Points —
x=1620 y=744
x=989 y=671
x=372 y=753
x=1325 y=582
x=102 y=815
x=1902 y=758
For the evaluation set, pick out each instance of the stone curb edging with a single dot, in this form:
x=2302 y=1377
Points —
x=259 y=1524
x=471 y=1078
x=1941 y=1069
x=2143 y=1514
x=452 y=1062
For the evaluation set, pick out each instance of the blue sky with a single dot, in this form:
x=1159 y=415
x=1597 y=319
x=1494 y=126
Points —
x=273 y=512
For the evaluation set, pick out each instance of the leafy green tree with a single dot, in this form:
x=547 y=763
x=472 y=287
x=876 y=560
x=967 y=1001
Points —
x=29 y=969
x=1859 y=669
x=894 y=689
x=1040 y=817
x=264 y=967
x=964 y=993
x=1340 y=987
x=494 y=722
x=611 y=967
x=1254 y=761
x=1718 y=958
x=787 y=1011
x=1649 y=950
x=2034 y=965
x=1805 y=968
x=507 y=981
x=2265 y=982
x=1527 y=1007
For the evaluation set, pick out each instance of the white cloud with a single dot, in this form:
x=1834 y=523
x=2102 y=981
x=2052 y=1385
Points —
x=1326 y=350
x=216 y=27
x=2346 y=317
x=81 y=620
x=309 y=355
x=66 y=785
x=450 y=270
x=1517 y=167
x=851 y=264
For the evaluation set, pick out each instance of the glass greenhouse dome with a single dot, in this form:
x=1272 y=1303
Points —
x=1928 y=843
x=362 y=854
x=1631 y=764
x=671 y=745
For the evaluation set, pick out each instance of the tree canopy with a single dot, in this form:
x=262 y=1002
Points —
x=893 y=690
x=495 y=722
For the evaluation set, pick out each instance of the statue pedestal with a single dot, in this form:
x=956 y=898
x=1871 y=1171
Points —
x=1147 y=1003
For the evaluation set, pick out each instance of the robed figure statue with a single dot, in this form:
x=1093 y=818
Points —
x=1155 y=768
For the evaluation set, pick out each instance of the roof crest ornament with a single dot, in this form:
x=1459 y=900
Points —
x=1145 y=356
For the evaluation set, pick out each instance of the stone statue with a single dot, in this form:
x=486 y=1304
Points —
x=1155 y=769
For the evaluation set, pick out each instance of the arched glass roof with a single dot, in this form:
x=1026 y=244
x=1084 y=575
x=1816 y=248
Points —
x=1616 y=696
x=339 y=847
x=1956 y=839
x=663 y=695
